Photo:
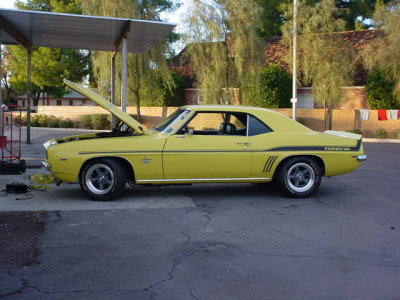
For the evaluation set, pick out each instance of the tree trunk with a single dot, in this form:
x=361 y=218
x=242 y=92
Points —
x=35 y=98
x=137 y=97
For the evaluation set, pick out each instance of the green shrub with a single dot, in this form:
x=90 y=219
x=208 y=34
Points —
x=77 y=124
x=100 y=121
x=380 y=91
x=380 y=133
x=39 y=121
x=356 y=131
x=273 y=90
x=85 y=121
x=20 y=121
x=42 y=120
x=67 y=123
x=53 y=122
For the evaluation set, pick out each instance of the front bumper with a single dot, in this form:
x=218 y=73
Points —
x=46 y=165
x=362 y=157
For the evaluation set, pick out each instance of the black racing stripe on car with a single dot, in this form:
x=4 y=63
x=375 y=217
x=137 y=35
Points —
x=317 y=148
x=118 y=152
x=266 y=163
x=271 y=163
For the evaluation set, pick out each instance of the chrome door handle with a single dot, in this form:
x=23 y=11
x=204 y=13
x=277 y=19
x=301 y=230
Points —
x=243 y=143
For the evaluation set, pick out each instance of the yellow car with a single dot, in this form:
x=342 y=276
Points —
x=202 y=144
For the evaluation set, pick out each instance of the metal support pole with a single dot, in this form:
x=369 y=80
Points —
x=294 y=80
x=28 y=96
x=124 y=73
x=1 y=91
x=113 y=120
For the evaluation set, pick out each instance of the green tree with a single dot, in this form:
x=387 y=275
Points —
x=380 y=91
x=273 y=91
x=49 y=65
x=60 y=6
x=144 y=70
x=222 y=46
x=384 y=52
x=325 y=60
x=5 y=73
x=355 y=13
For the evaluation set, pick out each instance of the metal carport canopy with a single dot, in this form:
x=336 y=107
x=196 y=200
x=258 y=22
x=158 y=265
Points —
x=57 y=30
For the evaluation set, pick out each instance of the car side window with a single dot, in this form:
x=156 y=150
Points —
x=204 y=123
x=256 y=127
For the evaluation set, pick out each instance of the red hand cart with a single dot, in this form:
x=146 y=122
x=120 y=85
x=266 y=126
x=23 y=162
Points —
x=10 y=141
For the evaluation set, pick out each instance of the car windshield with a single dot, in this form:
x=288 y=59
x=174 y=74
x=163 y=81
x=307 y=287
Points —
x=170 y=119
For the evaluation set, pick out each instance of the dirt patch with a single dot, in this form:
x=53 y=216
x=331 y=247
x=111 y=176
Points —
x=19 y=233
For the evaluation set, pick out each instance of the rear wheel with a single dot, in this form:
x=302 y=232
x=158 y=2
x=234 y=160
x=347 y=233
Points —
x=103 y=179
x=299 y=177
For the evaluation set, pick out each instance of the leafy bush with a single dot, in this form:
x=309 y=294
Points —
x=380 y=133
x=77 y=124
x=53 y=122
x=274 y=89
x=380 y=91
x=85 y=121
x=100 y=121
x=67 y=123
x=35 y=121
x=42 y=120
x=20 y=121
x=39 y=121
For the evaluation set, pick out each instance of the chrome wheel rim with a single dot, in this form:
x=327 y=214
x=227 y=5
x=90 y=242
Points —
x=99 y=179
x=300 y=177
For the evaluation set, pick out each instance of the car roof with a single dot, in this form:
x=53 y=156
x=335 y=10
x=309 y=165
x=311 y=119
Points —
x=226 y=108
x=274 y=119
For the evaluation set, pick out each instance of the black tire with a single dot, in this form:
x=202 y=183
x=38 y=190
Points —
x=299 y=177
x=103 y=179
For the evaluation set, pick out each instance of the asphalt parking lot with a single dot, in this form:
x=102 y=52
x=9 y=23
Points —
x=211 y=241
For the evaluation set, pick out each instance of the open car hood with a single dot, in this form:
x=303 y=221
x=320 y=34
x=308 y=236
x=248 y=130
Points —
x=107 y=105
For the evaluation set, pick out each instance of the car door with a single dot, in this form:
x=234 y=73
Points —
x=262 y=138
x=207 y=150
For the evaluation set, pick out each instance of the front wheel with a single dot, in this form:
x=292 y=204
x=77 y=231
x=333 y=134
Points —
x=299 y=177
x=103 y=179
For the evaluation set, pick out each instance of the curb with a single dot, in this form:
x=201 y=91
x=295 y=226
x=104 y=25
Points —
x=390 y=141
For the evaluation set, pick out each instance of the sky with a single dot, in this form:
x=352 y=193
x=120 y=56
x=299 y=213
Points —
x=7 y=4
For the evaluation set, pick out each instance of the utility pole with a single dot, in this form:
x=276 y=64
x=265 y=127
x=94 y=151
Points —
x=294 y=80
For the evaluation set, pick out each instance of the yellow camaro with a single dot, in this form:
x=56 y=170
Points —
x=202 y=144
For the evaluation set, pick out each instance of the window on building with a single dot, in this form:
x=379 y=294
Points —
x=59 y=102
x=71 y=103
x=305 y=101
